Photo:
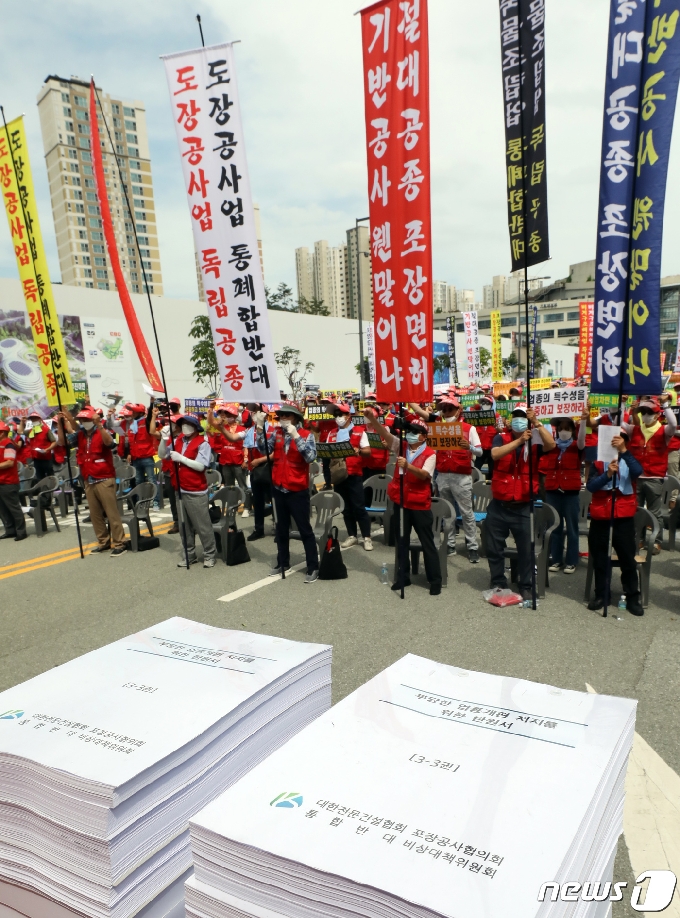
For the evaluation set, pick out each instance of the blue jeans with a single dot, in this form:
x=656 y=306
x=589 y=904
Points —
x=567 y=505
x=145 y=470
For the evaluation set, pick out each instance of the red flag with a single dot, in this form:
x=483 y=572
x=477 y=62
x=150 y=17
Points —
x=138 y=339
x=396 y=84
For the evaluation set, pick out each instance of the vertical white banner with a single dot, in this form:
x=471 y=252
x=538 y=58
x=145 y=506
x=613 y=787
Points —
x=370 y=351
x=207 y=115
x=676 y=368
x=472 y=345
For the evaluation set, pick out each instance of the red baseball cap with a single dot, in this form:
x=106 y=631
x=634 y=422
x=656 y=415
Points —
x=87 y=413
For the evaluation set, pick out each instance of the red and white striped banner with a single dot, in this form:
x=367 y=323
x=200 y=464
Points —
x=396 y=83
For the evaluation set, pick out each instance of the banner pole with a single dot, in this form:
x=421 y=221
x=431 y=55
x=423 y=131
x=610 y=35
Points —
x=400 y=552
x=200 y=29
x=123 y=187
x=56 y=383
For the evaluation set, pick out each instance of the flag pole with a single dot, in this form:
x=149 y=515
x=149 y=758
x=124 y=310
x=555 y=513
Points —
x=400 y=553
x=123 y=187
x=200 y=29
x=56 y=383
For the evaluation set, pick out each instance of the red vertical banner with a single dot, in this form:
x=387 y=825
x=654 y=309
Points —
x=585 y=339
x=397 y=91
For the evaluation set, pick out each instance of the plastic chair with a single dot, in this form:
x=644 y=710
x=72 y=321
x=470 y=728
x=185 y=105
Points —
x=124 y=476
x=145 y=494
x=381 y=509
x=443 y=518
x=584 y=500
x=481 y=497
x=326 y=505
x=476 y=474
x=646 y=530
x=26 y=482
x=546 y=521
x=46 y=486
x=230 y=498
x=670 y=517
x=214 y=479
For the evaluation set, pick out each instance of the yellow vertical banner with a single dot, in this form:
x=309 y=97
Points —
x=24 y=226
x=496 y=352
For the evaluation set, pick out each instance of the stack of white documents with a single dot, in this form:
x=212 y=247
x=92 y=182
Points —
x=429 y=791
x=103 y=760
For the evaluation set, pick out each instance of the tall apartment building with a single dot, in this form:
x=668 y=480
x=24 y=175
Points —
x=359 y=273
x=465 y=300
x=63 y=105
x=440 y=296
x=322 y=275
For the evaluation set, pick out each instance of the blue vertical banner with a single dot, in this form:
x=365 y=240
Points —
x=534 y=341
x=643 y=66
x=660 y=72
x=617 y=188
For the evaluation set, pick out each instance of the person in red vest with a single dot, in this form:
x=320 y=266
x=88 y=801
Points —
x=649 y=443
x=94 y=454
x=190 y=452
x=673 y=446
x=291 y=449
x=230 y=452
x=11 y=511
x=619 y=479
x=352 y=488
x=509 y=510
x=561 y=469
x=260 y=476
x=142 y=446
x=487 y=434
x=416 y=464
x=41 y=442
x=376 y=462
x=167 y=465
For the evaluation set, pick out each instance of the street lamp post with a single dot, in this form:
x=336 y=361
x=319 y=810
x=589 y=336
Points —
x=361 y=327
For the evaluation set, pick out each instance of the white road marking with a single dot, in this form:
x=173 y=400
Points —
x=266 y=581
x=651 y=814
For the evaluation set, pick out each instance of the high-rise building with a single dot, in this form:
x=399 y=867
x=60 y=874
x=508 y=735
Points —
x=322 y=275
x=304 y=273
x=359 y=273
x=63 y=105
x=465 y=300
x=439 y=296
x=451 y=301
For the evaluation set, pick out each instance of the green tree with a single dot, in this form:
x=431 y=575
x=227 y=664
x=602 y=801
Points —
x=312 y=307
x=485 y=361
x=367 y=371
x=440 y=362
x=540 y=359
x=281 y=299
x=511 y=366
x=289 y=362
x=203 y=355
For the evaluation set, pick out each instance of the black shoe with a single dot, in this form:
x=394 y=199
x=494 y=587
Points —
x=527 y=596
x=174 y=529
x=117 y=552
x=596 y=604
x=397 y=586
x=8 y=535
x=255 y=535
x=473 y=556
x=99 y=549
x=435 y=589
x=20 y=538
x=634 y=605
x=327 y=487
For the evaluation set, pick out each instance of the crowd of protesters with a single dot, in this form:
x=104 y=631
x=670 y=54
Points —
x=268 y=451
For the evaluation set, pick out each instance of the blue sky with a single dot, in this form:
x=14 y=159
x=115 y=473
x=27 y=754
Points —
x=300 y=78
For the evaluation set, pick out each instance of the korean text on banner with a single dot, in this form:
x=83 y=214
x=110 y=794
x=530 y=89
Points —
x=24 y=227
x=396 y=75
x=207 y=115
x=617 y=184
x=496 y=352
x=659 y=82
x=451 y=343
x=523 y=68
x=370 y=350
x=129 y=312
x=585 y=338
x=559 y=403
x=472 y=345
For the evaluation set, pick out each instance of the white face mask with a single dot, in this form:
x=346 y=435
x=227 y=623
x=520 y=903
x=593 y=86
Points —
x=342 y=420
x=564 y=434
x=188 y=429
x=87 y=425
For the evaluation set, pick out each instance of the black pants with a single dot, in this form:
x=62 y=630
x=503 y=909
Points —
x=485 y=459
x=352 y=492
x=623 y=541
x=11 y=511
x=421 y=521
x=43 y=469
x=261 y=491
x=170 y=493
x=326 y=468
x=294 y=504
x=503 y=518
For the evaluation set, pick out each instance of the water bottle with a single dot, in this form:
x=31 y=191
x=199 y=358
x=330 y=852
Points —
x=622 y=604
x=384 y=574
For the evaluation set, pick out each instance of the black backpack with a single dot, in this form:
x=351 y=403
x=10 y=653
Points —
x=332 y=566
x=237 y=550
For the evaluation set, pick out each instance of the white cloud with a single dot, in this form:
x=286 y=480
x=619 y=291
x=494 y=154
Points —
x=300 y=78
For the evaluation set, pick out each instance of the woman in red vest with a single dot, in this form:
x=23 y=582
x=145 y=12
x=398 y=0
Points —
x=509 y=510
x=190 y=453
x=143 y=447
x=618 y=478
x=352 y=488
x=415 y=466
x=561 y=469
x=230 y=452
x=41 y=443
x=11 y=511
x=167 y=465
x=649 y=443
x=291 y=449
